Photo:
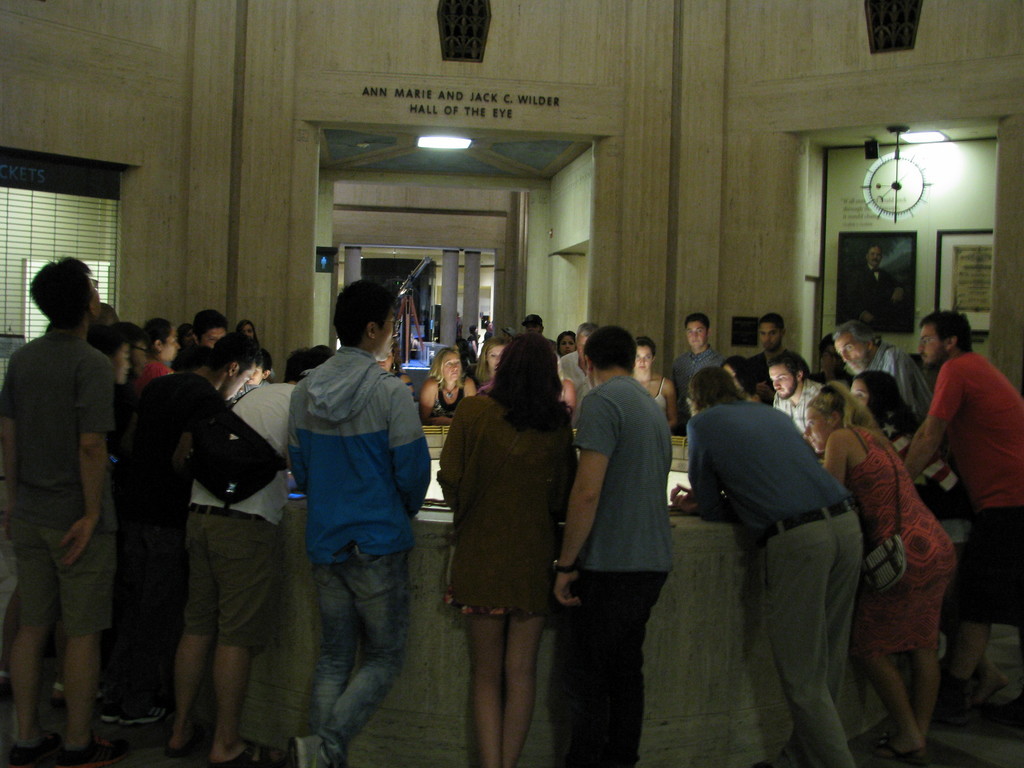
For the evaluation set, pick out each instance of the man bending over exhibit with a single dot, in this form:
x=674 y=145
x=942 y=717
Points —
x=358 y=450
x=807 y=524
x=235 y=564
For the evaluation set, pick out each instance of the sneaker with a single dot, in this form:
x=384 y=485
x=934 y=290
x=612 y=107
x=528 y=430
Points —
x=27 y=757
x=1011 y=713
x=110 y=712
x=101 y=752
x=152 y=715
x=305 y=752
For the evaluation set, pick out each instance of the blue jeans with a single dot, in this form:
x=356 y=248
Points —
x=604 y=677
x=365 y=596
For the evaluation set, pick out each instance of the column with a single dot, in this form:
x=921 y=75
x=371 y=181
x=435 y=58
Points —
x=471 y=292
x=1007 y=330
x=353 y=263
x=449 y=295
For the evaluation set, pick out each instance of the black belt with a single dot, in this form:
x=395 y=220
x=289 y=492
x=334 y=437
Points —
x=812 y=516
x=234 y=514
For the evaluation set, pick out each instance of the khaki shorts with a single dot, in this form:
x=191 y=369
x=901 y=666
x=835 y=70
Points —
x=234 y=579
x=80 y=594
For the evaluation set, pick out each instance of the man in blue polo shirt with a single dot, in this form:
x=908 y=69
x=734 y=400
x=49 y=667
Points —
x=808 y=525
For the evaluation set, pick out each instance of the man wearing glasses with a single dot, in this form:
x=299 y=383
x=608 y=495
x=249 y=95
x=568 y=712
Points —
x=977 y=407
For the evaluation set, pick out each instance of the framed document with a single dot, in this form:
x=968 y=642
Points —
x=963 y=274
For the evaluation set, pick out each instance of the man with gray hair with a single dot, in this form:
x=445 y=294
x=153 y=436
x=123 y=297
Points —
x=571 y=366
x=862 y=350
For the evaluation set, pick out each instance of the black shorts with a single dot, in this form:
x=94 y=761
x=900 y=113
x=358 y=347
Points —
x=992 y=569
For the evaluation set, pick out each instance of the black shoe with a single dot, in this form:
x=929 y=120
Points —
x=98 y=754
x=27 y=757
x=1011 y=713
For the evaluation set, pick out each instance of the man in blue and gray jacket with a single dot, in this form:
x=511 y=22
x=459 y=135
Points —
x=357 y=450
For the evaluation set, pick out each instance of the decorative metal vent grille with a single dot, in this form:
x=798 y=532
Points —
x=463 y=28
x=892 y=24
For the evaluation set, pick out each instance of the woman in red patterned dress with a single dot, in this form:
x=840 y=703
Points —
x=905 y=618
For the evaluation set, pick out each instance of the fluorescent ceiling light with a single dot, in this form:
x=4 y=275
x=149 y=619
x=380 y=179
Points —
x=443 y=142
x=923 y=137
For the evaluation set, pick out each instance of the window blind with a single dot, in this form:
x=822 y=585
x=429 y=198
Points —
x=37 y=227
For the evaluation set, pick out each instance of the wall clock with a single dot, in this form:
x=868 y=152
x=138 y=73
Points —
x=894 y=186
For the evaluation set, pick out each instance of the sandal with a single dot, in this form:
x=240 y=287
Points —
x=253 y=756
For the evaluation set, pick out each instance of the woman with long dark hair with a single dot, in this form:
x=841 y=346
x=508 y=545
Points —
x=506 y=470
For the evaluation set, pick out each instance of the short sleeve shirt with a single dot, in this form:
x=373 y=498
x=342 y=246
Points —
x=167 y=407
x=57 y=387
x=631 y=531
x=265 y=409
x=985 y=417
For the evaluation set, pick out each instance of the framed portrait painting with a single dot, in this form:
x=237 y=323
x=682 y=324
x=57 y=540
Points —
x=876 y=279
x=963 y=274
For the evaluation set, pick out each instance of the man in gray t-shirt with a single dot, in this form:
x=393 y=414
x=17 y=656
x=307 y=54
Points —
x=616 y=553
x=56 y=407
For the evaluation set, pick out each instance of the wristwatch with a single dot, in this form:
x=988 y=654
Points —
x=574 y=566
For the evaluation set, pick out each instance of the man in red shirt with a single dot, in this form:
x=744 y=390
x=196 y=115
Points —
x=983 y=415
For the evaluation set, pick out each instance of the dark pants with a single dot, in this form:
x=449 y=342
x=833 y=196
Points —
x=604 y=677
x=154 y=579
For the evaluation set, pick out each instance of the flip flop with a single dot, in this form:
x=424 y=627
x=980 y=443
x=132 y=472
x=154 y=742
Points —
x=253 y=756
x=190 y=746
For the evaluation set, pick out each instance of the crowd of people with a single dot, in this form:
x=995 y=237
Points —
x=103 y=512
x=884 y=450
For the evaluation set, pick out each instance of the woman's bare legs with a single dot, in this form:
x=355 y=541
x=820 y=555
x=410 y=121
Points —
x=520 y=684
x=925 y=665
x=487 y=653
x=888 y=684
x=501 y=645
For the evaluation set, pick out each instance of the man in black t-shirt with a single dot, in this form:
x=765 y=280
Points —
x=153 y=572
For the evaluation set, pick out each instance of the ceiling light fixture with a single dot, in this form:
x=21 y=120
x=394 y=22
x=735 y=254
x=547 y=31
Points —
x=924 y=137
x=443 y=142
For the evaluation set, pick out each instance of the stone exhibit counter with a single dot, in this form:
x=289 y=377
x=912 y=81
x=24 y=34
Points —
x=713 y=699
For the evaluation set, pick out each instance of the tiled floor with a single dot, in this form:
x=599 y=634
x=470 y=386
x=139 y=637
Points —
x=982 y=744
